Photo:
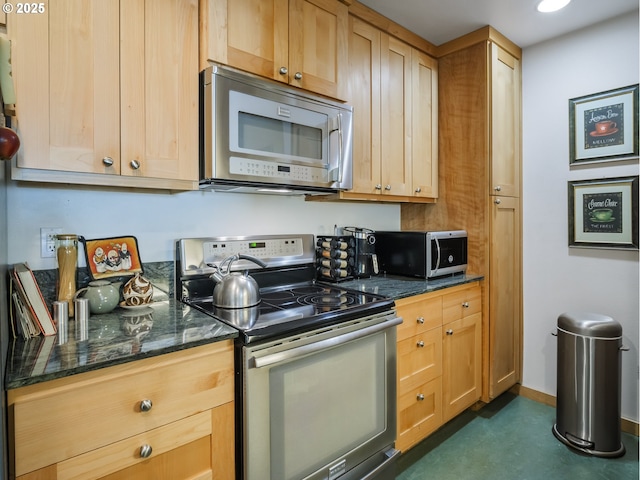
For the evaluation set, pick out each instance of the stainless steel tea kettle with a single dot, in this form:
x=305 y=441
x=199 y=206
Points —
x=235 y=289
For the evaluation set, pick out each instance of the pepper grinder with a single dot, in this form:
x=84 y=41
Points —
x=67 y=258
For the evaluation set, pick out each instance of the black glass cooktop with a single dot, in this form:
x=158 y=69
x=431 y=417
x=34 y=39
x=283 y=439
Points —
x=286 y=310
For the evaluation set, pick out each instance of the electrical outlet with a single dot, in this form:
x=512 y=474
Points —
x=48 y=241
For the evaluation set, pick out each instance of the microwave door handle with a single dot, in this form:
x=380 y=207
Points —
x=438 y=257
x=333 y=175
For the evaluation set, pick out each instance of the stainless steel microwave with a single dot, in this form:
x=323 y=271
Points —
x=422 y=254
x=259 y=136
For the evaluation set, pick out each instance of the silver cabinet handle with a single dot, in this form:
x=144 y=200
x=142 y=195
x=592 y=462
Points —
x=420 y=397
x=465 y=305
x=497 y=188
x=298 y=76
x=378 y=187
x=418 y=190
x=145 y=451
x=283 y=70
x=420 y=344
x=107 y=161
x=420 y=320
x=135 y=164
x=145 y=405
x=449 y=332
x=388 y=187
x=498 y=201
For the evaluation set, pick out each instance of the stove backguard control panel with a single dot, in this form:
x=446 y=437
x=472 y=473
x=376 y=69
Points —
x=217 y=251
x=195 y=256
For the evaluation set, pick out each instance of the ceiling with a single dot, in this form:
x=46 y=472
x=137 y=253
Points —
x=439 y=21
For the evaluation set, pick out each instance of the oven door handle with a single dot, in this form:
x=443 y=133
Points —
x=322 y=345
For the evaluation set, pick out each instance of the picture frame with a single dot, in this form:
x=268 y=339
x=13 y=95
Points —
x=112 y=257
x=604 y=126
x=603 y=213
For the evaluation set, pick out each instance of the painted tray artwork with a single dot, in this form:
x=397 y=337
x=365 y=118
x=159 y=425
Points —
x=112 y=257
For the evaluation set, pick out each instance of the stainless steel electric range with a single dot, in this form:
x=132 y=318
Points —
x=315 y=362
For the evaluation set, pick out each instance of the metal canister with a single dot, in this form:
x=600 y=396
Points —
x=61 y=319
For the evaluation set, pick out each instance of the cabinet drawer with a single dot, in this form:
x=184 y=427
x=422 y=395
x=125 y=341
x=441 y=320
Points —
x=67 y=417
x=126 y=453
x=419 y=413
x=460 y=304
x=419 y=314
x=419 y=359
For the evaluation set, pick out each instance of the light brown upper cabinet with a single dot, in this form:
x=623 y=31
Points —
x=299 y=42
x=393 y=89
x=505 y=123
x=107 y=93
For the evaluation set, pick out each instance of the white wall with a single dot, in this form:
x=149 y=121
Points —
x=157 y=220
x=557 y=278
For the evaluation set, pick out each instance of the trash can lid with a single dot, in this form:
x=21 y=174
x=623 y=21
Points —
x=590 y=324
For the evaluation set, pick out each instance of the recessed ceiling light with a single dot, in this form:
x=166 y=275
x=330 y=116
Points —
x=546 y=6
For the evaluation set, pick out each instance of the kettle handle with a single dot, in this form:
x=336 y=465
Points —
x=255 y=260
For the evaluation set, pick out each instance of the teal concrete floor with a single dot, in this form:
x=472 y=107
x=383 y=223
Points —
x=510 y=439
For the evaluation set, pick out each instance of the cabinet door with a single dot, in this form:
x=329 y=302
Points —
x=251 y=35
x=68 y=115
x=424 y=125
x=419 y=413
x=504 y=295
x=505 y=123
x=159 y=72
x=462 y=358
x=396 y=119
x=318 y=45
x=363 y=92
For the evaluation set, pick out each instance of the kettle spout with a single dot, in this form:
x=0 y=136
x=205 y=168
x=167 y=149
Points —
x=216 y=276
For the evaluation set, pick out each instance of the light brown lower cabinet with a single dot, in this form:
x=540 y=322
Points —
x=439 y=359
x=168 y=417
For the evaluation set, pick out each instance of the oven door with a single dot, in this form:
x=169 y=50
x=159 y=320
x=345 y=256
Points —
x=447 y=253
x=321 y=405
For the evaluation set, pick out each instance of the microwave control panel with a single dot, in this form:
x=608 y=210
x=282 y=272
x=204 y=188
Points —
x=286 y=172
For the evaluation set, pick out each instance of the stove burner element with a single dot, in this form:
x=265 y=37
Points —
x=278 y=296
x=311 y=289
x=326 y=300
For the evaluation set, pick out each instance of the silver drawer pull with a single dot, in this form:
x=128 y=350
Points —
x=497 y=201
x=298 y=76
x=283 y=70
x=465 y=304
x=145 y=451
x=135 y=164
x=145 y=405
x=420 y=397
x=420 y=320
x=420 y=344
x=107 y=161
x=449 y=332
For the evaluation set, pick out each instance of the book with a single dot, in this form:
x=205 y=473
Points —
x=23 y=322
x=34 y=298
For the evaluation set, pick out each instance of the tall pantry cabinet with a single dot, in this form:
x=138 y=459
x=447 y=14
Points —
x=479 y=159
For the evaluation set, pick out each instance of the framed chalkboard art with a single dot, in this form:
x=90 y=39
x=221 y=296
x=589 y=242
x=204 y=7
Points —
x=603 y=213
x=604 y=126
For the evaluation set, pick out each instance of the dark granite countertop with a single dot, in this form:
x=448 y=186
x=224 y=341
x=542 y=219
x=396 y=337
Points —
x=113 y=338
x=123 y=336
x=398 y=287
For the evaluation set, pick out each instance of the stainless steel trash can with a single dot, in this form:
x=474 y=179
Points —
x=588 y=384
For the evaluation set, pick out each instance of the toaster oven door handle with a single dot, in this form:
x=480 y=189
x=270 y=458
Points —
x=435 y=239
x=297 y=352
